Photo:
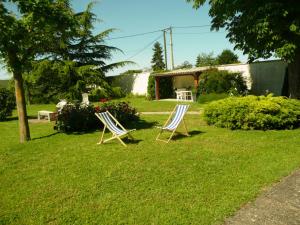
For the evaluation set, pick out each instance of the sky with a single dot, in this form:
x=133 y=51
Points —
x=131 y=17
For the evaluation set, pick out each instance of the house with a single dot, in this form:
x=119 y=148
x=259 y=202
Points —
x=260 y=77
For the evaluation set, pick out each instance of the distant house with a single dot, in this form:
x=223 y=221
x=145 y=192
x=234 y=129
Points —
x=259 y=76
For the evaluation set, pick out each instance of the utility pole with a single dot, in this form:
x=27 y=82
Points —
x=171 y=43
x=165 y=48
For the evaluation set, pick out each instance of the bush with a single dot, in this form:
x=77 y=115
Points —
x=165 y=87
x=202 y=99
x=117 y=92
x=76 y=118
x=215 y=81
x=254 y=112
x=98 y=94
x=122 y=111
x=7 y=103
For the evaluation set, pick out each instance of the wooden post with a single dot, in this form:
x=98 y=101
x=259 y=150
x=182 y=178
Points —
x=171 y=44
x=157 y=97
x=196 y=81
x=165 y=50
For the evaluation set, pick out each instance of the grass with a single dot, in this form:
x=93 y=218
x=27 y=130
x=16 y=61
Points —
x=202 y=179
x=140 y=103
x=143 y=105
x=203 y=99
x=4 y=83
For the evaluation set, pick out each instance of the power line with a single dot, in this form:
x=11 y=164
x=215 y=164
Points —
x=144 y=48
x=184 y=27
x=210 y=32
x=155 y=31
x=133 y=35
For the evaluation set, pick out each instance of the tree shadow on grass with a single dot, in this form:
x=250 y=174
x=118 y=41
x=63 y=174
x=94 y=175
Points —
x=45 y=136
x=130 y=141
x=12 y=118
x=141 y=124
x=179 y=136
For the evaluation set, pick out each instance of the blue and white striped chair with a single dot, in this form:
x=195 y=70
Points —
x=114 y=127
x=174 y=121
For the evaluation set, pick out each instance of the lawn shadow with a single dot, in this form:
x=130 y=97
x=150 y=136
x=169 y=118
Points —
x=179 y=136
x=130 y=141
x=12 y=118
x=45 y=136
x=141 y=124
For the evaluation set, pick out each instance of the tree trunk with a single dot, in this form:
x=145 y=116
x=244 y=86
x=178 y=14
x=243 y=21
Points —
x=21 y=106
x=294 y=77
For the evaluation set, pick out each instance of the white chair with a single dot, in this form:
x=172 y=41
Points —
x=173 y=122
x=114 y=127
x=61 y=104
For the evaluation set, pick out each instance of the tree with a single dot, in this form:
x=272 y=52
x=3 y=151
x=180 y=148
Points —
x=79 y=63
x=35 y=31
x=227 y=57
x=204 y=59
x=261 y=29
x=157 y=58
x=185 y=65
x=87 y=48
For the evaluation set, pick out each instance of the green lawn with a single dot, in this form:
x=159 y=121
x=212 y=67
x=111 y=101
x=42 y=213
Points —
x=68 y=179
x=4 y=83
x=143 y=105
x=140 y=103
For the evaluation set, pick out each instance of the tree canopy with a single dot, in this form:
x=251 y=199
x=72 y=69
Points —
x=259 y=28
x=204 y=59
x=262 y=29
x=49 y=29
x=185 y=65
x=227 y=57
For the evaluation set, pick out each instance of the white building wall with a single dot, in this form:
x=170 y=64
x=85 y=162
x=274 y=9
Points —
x=242 y=68
x=259 y=76
x=140 y=83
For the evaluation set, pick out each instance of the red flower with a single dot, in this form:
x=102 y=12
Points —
x=103 y=100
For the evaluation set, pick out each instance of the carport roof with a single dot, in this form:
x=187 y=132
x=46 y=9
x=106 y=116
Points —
x=182 y=72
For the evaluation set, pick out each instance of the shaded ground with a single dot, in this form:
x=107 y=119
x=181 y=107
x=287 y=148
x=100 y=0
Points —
x=278 y=206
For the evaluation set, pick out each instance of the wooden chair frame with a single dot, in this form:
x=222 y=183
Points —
x=172 y=131
x=114 y=135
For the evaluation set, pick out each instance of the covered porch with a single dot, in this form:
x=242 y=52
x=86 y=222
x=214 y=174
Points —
x=185 y=82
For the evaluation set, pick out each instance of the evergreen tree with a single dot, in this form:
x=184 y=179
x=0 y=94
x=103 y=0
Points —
x=157 y=58
x=86 y=48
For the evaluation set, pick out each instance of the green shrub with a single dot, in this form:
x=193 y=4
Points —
x=211 y=97
x=165 y=87
x=215 y=81
x=76 y=118
x=151 y=88
x=117 y=92
x=7 y=103
x=98 y=94
x=122 y=111
x=254 y=112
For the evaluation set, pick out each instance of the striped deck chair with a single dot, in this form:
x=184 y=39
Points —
x=114 y=127
x=174 y=121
